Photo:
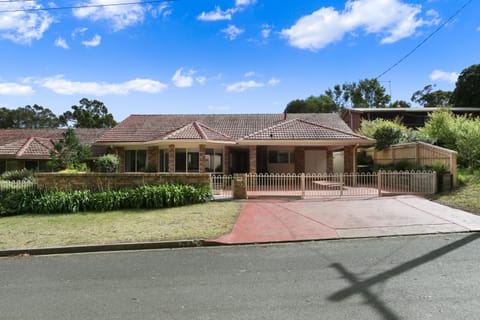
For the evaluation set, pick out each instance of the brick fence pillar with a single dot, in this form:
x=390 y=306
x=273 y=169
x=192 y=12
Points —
x=239 y=186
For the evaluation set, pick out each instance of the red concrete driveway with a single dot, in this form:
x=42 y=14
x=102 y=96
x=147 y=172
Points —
x=275 y=220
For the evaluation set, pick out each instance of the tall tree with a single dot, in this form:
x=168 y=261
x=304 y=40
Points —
x=89 y=114
x=320 y=104
x=368 y=93
x=467 y=88
x=427 y=97
x=28 y=117
x=69 y=153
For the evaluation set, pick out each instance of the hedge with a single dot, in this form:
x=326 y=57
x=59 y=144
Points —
x=36 y=201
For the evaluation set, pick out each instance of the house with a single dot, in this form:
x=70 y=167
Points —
x=233 y=143
x=31 y=148
x=411 y=117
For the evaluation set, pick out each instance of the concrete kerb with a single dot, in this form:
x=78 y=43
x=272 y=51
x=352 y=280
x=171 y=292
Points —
x=103 y=247
x=180 y=244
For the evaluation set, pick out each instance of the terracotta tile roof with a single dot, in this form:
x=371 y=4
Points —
x=144 y=128
x=299 y=129
x=34 y=148
x=38 y=143
x=197 y=130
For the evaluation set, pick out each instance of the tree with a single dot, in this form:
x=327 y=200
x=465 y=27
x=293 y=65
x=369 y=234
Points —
x=386 y=132
x=28 y=117
x=399 y=104
x=320 y=104
x=429 y=98
x=467 y=88
x=89 y=114
x=368 y=93
x=69 y=153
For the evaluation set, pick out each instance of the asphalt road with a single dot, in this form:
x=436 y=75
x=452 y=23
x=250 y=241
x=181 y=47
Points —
x=427 y=277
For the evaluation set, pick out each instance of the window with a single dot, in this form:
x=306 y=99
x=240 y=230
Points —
x=214 y=160
x=163 y=161
x=187 y=160
x=135 y=160
x=11 y=165
x=280 y=157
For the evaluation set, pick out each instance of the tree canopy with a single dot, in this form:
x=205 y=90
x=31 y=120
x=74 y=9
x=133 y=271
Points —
x=427 y=97
x=367 y=93
x=89 y=114
x=467 y=88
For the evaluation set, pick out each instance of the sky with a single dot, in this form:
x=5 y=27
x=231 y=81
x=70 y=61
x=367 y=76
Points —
x=230 y=56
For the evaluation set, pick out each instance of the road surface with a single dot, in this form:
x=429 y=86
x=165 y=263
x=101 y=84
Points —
x=425 y=277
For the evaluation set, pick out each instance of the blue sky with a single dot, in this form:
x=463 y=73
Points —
x=231 y=56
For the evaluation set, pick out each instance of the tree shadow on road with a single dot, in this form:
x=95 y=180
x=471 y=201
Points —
x=362 y=286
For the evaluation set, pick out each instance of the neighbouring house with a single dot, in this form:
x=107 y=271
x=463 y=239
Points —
x=411 y=117
x=31 y=148
x=233 y=143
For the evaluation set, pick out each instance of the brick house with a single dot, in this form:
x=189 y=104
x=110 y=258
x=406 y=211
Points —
x=233 y=143
x=31 y=148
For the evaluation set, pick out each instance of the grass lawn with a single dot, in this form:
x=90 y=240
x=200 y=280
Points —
x=201 y=221
x=467 y=196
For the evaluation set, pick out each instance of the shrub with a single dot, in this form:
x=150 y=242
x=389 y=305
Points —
x=145 y=197
x=17 y=175
x=108 y=163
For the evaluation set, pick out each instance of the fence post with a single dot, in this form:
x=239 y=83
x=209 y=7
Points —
x=379 y=180
x=302 y=184
x=341 y=183
x=434 y=178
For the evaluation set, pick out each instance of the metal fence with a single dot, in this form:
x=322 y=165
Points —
x=221 y=185
x=17 y=185
x=331 y=184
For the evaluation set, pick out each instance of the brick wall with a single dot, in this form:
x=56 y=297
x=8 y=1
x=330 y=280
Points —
x=349 y=159
x=299 y=159
x=106 y=181
x=171 y=158
x=152 y=155
x=253 y=159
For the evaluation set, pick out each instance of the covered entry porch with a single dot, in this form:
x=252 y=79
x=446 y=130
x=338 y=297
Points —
x=289 y=159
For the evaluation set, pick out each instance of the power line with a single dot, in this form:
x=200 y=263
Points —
x=81 y=6
x=426 y=39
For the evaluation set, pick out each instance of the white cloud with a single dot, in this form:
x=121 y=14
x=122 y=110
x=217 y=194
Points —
x=23 y=26
x=273 y=82
x=216 y=15
x=183 y=80
x=232 y=32
x=201 y=80
x=243 y=86
x=244 y=2
x=61 y=43
x=439 y=75
x=119 y=16
x=94 y=42
x=163 y=10
x=77 y=31
x=249 y=74
x=60 y=85
x=391 y=19
x=266 y=30
x=14 y=89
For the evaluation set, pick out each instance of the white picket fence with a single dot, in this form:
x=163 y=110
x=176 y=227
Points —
x=17 y=185
x=313 y=185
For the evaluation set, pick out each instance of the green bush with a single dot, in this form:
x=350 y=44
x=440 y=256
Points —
x=108 y=163
x=145 y=197
x=17 y=175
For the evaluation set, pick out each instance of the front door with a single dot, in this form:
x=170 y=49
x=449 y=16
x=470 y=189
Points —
x=239 y=161
x=315 y=161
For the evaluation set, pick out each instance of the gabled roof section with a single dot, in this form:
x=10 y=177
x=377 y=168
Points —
x=299 y=129
x=197 y=131
x=145 y=128
x=32 y=147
